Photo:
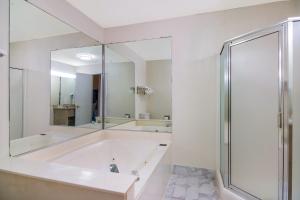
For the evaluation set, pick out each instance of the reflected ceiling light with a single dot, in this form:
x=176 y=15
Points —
x=86 y=56
x=62 y=74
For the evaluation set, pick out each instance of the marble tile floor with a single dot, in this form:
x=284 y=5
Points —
x=187 y=183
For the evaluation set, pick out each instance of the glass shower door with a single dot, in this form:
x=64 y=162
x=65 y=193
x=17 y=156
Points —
x=296 y=112
x=224 y=142
x=254 y=107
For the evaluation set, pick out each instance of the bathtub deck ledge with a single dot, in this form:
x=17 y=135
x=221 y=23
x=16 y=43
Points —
x=85 y=178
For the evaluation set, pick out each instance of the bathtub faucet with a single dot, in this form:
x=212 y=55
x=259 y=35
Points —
x=114 y=168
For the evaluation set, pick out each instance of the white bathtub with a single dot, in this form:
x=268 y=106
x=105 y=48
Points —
x=132 y=156
x=135 y=153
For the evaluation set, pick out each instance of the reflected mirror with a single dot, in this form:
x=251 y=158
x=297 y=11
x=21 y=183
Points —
x=54 y=80
x=139 y=85
x=76 y=87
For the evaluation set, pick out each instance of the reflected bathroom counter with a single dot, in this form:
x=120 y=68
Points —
x=97 y=126
x=146 y=125
x=54 y=135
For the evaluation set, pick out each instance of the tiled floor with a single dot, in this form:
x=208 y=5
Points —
x=188 y=183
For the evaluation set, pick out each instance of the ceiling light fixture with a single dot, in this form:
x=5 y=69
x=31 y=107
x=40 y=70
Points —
x=86 y=56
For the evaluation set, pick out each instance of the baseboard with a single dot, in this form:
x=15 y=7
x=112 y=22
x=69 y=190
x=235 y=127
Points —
x=225 y=194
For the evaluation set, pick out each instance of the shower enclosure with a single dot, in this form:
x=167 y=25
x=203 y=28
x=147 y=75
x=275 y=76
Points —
x=260 y=113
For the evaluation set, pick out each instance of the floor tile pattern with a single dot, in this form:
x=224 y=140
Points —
x=188 y=183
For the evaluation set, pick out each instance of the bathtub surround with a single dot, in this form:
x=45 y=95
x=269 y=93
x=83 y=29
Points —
x=56 y=167
x=62 y=163
x=187 y=183
x=53 y=181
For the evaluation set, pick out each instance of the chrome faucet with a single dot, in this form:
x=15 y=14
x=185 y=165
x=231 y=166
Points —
x=114 y=168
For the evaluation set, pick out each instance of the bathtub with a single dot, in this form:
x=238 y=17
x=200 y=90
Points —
x=131 y=156
x=146 y=156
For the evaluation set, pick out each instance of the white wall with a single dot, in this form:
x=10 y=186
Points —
x=120 y=77
x=197 y=41
x=4 y=121
x=159 y=75
x=34 y=57
x=140 y=74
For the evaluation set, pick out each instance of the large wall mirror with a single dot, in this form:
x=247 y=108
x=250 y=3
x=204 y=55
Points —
x=139 y=85
x=55 y=80
x=76 y=87
x=60 y=89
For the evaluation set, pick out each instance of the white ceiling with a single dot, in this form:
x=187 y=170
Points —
x=69 y=56
x=28 y=22
x=155 y=49
x=112 y=13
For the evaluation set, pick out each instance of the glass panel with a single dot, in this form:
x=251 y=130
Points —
x=296 y=113
x=138 y=85
x=223 y=115
x=120 y=85
x=254 y=109
x=33 y=35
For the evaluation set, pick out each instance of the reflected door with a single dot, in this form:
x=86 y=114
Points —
x=83 y=98
x=16 y=103
x=254 y=117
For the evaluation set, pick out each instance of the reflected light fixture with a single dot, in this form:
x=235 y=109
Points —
x=62 y=74
x=86 y=56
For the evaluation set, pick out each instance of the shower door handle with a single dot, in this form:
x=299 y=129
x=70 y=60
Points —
x=279 y=119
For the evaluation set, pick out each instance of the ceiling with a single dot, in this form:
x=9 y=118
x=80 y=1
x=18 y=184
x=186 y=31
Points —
x=69 y=56
x=147 y=50
x=112 y=13
x=28 y=22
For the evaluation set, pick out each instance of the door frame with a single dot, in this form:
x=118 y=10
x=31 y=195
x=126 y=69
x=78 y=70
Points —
x=284 y=107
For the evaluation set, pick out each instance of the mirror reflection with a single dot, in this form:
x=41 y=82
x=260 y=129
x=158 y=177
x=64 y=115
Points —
x=76 y=87
x=47 y=104
x=139 y=92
